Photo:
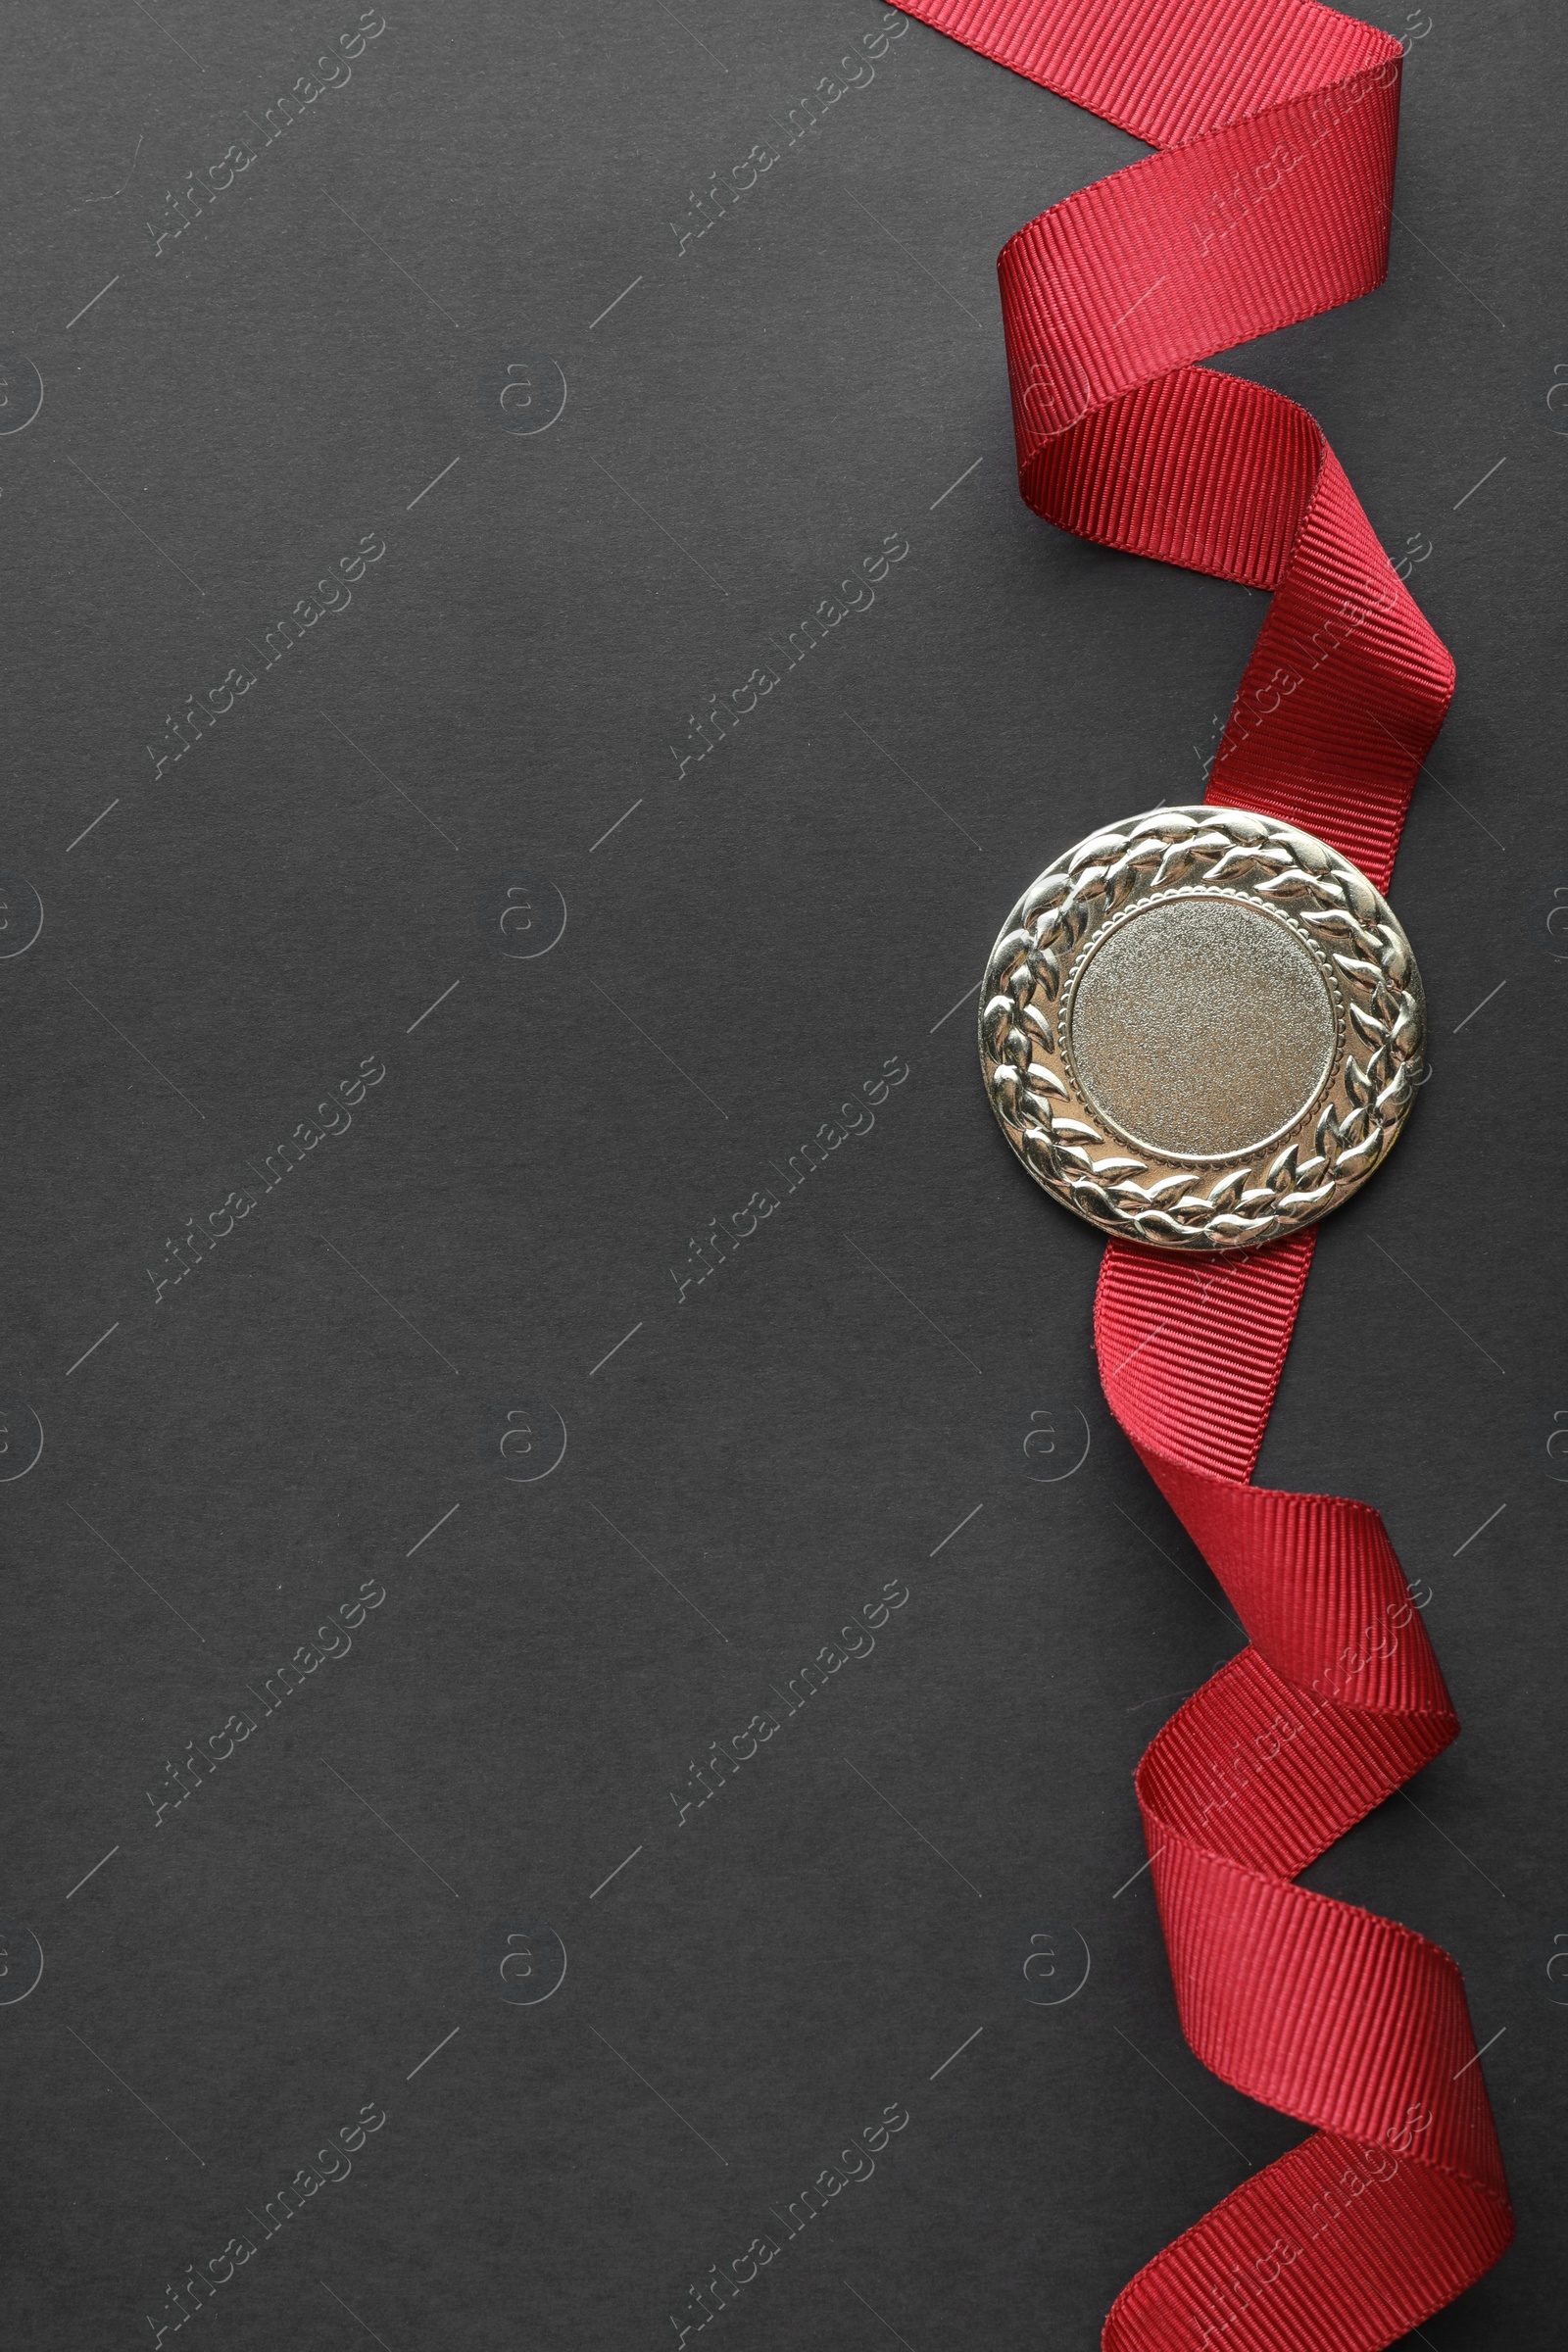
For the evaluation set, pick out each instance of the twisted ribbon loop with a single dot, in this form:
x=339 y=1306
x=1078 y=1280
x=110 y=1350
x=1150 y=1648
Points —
x=1269 y=200
x=1397 y=2202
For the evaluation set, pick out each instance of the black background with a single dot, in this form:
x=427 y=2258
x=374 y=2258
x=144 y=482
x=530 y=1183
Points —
x=841 y=1403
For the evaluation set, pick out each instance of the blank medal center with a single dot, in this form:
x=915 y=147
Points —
x=1200 y=1027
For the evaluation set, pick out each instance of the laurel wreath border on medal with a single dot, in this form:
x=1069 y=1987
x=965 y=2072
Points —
x=1173 y=1200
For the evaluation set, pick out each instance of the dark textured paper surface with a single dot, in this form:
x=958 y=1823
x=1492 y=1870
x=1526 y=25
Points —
x=442 y=952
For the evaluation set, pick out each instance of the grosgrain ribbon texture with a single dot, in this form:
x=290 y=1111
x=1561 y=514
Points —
x=1269 y=200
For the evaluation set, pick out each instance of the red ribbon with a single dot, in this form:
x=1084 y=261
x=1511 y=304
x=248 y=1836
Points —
x=1269 y=200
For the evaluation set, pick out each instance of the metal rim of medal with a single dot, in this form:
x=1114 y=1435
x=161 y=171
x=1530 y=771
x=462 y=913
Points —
x=1210 y=1201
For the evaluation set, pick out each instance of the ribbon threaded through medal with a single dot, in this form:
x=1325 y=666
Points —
x=1268 y=199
